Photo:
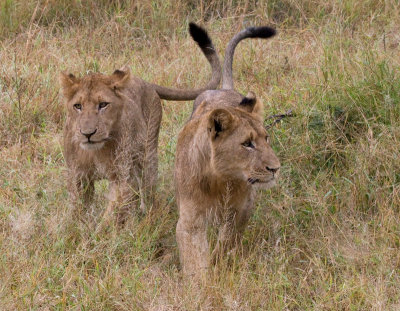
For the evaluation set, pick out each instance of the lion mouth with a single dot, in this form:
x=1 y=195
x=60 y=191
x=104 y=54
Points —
x=90 y=144
x=253 y=181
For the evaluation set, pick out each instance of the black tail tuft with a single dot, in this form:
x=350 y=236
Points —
x=261 y=32
x=199 y=35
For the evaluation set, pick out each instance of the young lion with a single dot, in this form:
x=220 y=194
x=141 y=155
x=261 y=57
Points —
x=112 y=130
x=223 y=154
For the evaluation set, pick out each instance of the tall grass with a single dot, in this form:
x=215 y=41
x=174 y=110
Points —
x=327 y=238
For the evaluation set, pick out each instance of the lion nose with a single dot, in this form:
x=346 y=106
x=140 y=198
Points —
x=88 y=135
x=272 y=170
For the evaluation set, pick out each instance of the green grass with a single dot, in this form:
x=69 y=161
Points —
x=327 y=238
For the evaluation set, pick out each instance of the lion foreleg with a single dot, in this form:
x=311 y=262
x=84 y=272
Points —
x=231 y=231
x=81 y=189
x=191 y=235
x=227 y=236
x=122 y=200
x=243 y=215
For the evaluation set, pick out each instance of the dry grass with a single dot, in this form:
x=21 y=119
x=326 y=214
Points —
x=328 y=238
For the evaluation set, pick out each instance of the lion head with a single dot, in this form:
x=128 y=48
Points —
x=240 y=145
x=94 y=106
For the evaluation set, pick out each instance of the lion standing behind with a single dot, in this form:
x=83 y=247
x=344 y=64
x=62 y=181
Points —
x=112 y=130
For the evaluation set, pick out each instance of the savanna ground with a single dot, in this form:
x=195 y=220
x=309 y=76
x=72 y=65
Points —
x=326 y=238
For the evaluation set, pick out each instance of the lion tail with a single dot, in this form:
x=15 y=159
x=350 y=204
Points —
x=204 y=42
x=251 y=32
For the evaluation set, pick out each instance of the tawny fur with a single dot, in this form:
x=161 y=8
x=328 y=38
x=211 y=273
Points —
x=112 y=129
x=223 y=155
x=126 y=132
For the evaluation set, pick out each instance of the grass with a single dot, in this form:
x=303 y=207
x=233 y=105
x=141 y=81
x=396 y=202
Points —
x=327 y=238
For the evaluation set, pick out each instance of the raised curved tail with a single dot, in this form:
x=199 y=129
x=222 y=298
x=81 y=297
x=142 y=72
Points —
x=251 y=32
x=204 y=42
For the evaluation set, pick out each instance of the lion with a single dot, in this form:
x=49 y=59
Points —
x=112 y=127
x=223 y=154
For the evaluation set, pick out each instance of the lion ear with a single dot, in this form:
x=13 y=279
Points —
x=252 y=105
x=69 y=84
x=258 y=110
x=120 y=77
x=219 y=121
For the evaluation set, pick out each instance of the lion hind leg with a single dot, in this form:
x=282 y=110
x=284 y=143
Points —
x=149 y=163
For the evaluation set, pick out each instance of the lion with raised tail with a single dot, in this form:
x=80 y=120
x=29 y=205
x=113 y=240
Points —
x=223 y=155
x=112 y=129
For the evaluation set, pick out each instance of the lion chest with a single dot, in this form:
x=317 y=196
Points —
x=105 y=168
x=99 y=164
x=222 y=197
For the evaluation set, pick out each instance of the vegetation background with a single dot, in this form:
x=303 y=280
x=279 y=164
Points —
x=327 y=238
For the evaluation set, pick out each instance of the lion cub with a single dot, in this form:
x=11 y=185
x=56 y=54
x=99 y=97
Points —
x=223 y=155
x=112 y=129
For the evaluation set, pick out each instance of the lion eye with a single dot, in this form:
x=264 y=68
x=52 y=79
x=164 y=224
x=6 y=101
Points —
x=78 y=106
x=248 y=144
x=103 y=105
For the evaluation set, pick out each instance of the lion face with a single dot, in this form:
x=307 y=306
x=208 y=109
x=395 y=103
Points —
x=240 y=148
x=93 y=107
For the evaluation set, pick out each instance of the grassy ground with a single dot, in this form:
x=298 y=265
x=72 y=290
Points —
x=327 y=238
